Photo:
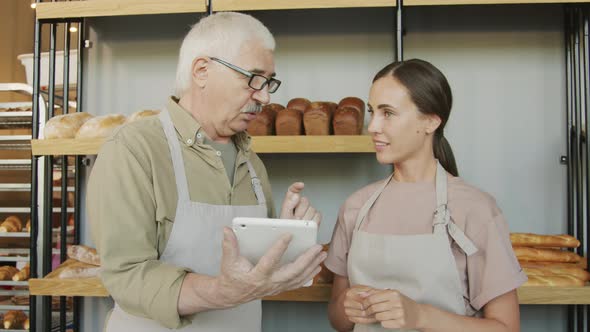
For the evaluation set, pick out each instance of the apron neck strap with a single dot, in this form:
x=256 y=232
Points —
x=176 y=154
x=178 y=163
x=367 y=206
x=256 y=184
x=441 y=215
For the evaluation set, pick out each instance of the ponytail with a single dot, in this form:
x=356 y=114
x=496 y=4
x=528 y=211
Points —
x=444 y=153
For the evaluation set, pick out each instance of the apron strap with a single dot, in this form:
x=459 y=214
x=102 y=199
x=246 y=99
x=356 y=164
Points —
x=256 y=184
x=176 y=154
x=442 y=222
x=365 y=209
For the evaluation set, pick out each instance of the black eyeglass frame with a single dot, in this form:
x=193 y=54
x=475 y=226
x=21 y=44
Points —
x=272 y=83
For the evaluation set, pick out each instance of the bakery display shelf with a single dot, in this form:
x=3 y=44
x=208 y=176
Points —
x=24 y=187
x=94 y=8
x=13 y=283
x=14 y=292
x=260 y=144
x=28 y=210
x=15 y=234
x=51 y=285
x=15 y=164
x=13 y=259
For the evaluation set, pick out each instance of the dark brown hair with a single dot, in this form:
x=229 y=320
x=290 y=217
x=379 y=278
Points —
x=431 y=93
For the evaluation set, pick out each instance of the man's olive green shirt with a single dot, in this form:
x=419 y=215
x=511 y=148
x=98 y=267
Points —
x=131 y=204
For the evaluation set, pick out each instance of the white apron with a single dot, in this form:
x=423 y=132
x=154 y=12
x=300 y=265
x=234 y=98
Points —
x=422 y=267
x=195 y=242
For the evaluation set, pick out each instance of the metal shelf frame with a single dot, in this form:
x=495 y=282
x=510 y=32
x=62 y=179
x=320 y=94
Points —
x=578 y=167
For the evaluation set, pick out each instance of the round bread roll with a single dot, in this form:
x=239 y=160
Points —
x=66 y=125
x=142 y=114
x=101 y=126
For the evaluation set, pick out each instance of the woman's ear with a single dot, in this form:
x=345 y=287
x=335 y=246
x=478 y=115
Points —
x=433 y=121
x=199 y=72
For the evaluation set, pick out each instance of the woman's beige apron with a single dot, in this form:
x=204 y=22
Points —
x=422 y=267
x=195 y=242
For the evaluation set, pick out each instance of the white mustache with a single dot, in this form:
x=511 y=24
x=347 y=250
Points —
x=256 y=108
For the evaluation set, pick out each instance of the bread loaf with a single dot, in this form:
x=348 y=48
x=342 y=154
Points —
x=142 y=114
x=11 y=224
x=14 y=320
x=26 y=324
x=28 y=226
x=555 y=281
x=317 y=119
x=289 y=122
x=347 y=121
x=69 y=272
x=537 y=240
x=264 y=123
x=23 y=274
x=84 y=254
x=65 y=126
x=100 y=126
x=300 y=104
x=7 y=272
x=545 y=255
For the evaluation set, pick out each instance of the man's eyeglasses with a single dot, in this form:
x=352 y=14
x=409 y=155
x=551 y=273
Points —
x=257 y=82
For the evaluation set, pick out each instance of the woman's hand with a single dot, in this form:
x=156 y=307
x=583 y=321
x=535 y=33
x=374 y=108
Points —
x=354 y=306
x=392 y=309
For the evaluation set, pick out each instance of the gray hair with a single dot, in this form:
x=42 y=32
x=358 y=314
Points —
x=218 y=35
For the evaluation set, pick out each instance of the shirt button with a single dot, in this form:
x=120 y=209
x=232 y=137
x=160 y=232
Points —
x=199 y=135
x=189 y=141
x=218 y=153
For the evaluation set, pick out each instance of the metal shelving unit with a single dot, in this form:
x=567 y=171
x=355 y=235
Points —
x=578 y=112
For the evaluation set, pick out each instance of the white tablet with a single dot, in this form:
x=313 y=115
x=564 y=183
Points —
x=257 y=235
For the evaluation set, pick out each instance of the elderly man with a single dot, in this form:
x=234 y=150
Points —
x=164 y=189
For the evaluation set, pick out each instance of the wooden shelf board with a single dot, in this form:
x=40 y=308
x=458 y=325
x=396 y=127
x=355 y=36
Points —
x=95 y=8
x=484 y=2
x=260 y=144
x=66 y=146
x=313 y=144
x=100 y=8
x=51 y=285
x=235 y=5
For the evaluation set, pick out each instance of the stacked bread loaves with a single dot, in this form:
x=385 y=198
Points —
x=84 y=125
x=303 y=117
x=547 y=262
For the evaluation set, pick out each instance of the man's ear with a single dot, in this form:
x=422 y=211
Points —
x=199 y=71
x=433 y=121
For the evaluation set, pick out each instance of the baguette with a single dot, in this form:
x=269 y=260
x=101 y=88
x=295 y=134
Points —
x=536 y=240
x=546 y=255
x=23 y=274
x=11 y=224
x=556 y=271
x=581 y=264
x=556 y=281
x=14 y=320
x=84 y=254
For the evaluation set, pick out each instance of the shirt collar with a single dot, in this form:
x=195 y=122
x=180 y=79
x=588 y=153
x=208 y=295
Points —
x=191 y=131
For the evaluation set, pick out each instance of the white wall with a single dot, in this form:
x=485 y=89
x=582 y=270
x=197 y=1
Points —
x=504 y=63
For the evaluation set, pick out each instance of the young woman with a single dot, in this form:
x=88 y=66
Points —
x=421 y=250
